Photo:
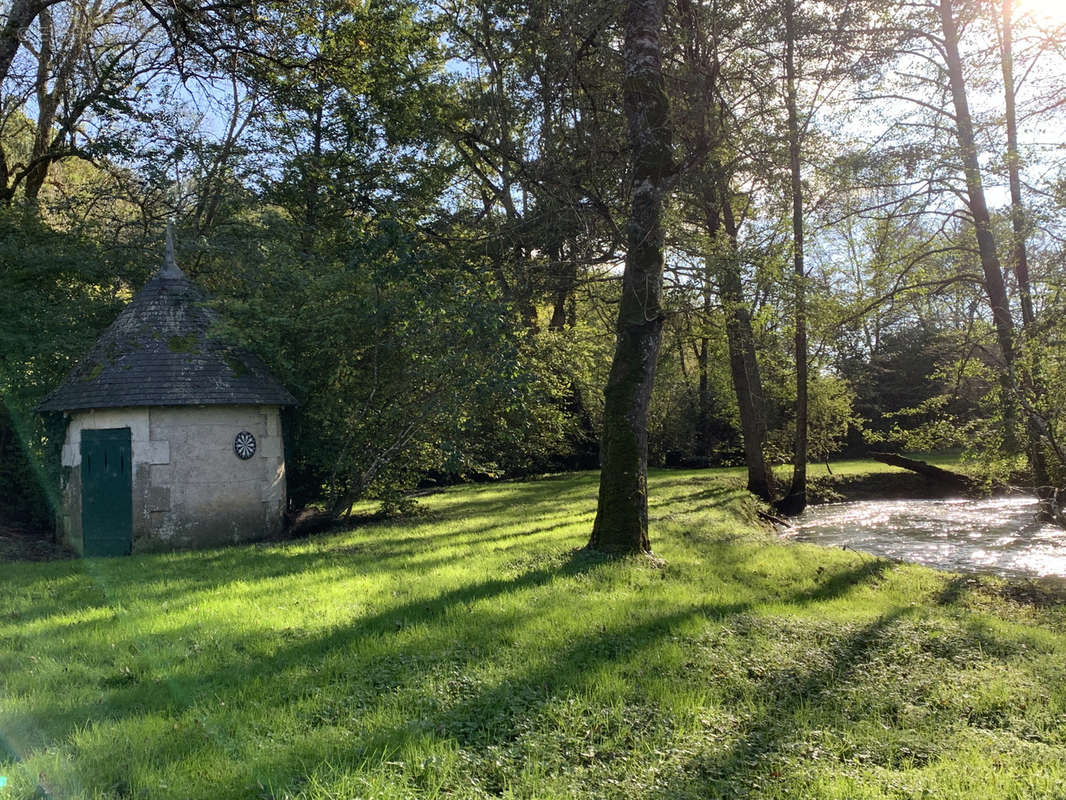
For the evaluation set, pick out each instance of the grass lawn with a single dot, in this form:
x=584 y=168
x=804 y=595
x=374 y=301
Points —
x=471 y=651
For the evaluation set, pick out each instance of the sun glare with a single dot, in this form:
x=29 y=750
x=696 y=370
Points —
x=1046 y=12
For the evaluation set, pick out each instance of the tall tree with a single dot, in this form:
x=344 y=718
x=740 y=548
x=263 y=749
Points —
x=704 y=123
x=995 y=288
x=539 y=134
x=1019 y=251
x=621 y=524
x=796 y=499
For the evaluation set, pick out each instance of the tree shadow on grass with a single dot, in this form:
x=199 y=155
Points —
x=528 y=495
x=161 y=578
x=1035 y=592
x=282 y=668
x=129 y=697
x=181 y=576
x=743 y=769
x=738 y=770
x=495 y=715
x=836 y=584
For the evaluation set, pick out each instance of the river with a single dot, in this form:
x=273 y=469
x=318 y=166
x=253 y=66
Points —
x=992 y=535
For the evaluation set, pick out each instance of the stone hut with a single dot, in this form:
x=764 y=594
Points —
x=173 y=437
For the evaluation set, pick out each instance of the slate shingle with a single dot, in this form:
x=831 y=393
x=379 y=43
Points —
x=158 y=353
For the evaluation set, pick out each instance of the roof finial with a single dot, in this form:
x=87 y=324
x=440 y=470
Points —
x=170 y=266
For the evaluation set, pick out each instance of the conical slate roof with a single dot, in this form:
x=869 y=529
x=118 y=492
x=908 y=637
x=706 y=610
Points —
x=158 y=353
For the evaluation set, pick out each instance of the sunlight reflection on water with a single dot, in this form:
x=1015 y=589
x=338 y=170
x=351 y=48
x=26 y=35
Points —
x=1000 y=535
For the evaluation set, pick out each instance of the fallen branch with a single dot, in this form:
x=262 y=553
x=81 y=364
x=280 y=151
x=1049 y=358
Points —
x=937 y=474
x=771 y=518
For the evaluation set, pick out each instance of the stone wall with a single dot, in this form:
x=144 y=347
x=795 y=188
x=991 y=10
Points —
x=189 y=486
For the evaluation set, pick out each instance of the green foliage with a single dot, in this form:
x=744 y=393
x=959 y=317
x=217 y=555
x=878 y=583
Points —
x=831 y=417
x=925 y=427
x=960 y=408
x=908 y=380
x=59 y=292
x=403 y=366
x=414 y=214
x=674 y=422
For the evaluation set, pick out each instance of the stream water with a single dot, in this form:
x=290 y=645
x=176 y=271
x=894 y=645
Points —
x=999 y=535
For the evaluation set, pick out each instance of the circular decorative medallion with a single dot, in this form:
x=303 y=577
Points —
x=244 y=445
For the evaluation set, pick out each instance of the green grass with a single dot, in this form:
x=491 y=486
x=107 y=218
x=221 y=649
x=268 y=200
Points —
x=473 y=652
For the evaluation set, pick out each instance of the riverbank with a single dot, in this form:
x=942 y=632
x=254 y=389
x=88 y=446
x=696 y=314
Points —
x=474 y=651
x=875 y=485
x=866 y=479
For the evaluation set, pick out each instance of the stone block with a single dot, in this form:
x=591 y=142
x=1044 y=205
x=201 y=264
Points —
x=156 y=452
x=274 y=492
x=136 y=419
x=220 y=497
x=163 y=526
x=269 y=447
x=161 y=474
x=168 y=433
x=214 y=465
x=273 y=422
x=158 y=498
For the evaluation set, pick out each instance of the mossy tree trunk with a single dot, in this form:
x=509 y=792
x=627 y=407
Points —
x=621 y=524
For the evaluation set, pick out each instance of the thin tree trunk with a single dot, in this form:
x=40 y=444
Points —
x=621 y=524
x=312 y=179
x=703 y=392
x=1017 y=216
x=713 y=200
x=1037 y=462
x=796 y=500
x=566 y=280
x=743 y=363
x=47 y=105
x=704 y=437
x=986 y=243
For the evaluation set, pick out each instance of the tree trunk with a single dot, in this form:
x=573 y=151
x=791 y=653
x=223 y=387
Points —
x=986 y=243
x=796 y=500
x=743 y=364
x=704 y=439
x=312 y=179
x=1037 y=463
x=621 y=524
x=565 y=282
x=47 y=105
x=1017 y=215
x=19 y=18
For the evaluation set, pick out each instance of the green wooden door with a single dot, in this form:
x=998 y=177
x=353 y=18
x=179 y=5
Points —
x=106 y=492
